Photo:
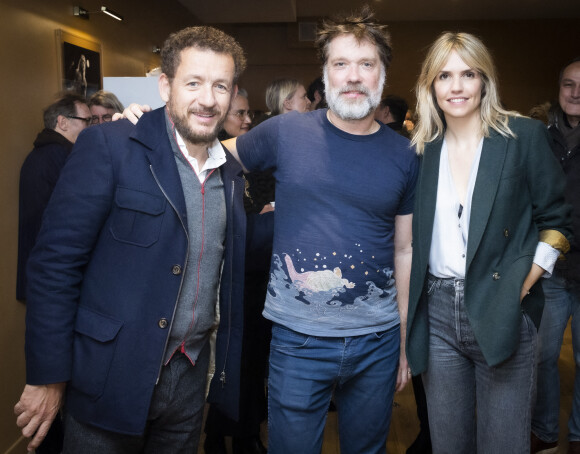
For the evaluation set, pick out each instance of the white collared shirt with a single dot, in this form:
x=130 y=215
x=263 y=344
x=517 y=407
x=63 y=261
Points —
x=216 y=157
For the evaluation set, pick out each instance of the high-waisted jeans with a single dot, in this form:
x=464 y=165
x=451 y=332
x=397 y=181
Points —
x=475 y=408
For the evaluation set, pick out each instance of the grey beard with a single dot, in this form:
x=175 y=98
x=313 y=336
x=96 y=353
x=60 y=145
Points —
x=356 y=110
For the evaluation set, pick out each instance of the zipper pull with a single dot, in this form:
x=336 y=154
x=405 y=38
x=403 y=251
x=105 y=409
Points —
x=223 y=378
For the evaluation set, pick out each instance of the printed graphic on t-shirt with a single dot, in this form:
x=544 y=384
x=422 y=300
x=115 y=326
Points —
x=319 y=285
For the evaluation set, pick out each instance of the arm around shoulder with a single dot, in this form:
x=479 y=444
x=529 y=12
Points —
x=231 y=145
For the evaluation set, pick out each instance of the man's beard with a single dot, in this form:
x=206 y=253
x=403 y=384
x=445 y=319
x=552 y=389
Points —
x=347 y=109
x=183 y=128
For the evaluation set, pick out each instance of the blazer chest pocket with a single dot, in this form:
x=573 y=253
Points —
x=95 y=341
x=137 y=217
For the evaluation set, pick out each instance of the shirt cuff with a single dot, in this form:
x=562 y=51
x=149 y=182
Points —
x=546 y=257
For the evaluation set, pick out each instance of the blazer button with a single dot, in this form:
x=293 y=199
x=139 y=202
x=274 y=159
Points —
x=496 y=276
x=176 y=269
x=506 y=233
x=162 y=323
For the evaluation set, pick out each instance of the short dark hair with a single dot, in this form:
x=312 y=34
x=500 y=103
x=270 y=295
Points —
x=574 y=60
x=397 y=106
x=204 y=38
x=317 y=85
x=362 y=25
x=65 y=106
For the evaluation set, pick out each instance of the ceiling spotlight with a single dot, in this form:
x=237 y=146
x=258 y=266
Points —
x=111 y=13
x=84 y=14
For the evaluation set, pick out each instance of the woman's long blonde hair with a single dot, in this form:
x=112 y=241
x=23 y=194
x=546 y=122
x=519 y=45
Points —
x=431 y=121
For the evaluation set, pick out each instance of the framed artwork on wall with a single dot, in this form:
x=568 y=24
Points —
x=79 y=64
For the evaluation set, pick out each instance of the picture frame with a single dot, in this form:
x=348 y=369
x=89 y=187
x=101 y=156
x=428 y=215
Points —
x=79 y=64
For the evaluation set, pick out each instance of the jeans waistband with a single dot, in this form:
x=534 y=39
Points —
x=437 y=282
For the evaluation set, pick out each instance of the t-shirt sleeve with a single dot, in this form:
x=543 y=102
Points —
x=408 y=199
x=258 y=148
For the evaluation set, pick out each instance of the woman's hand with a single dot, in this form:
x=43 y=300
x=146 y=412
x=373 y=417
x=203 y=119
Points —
x=533 y=276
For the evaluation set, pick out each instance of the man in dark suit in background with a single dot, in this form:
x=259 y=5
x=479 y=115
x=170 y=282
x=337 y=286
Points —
x=63 y=122
x=562 y=290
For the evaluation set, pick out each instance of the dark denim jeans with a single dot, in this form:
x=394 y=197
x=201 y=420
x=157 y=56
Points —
x=174 y=420
x=475 y=408
x=562 y=302
x=304 y=371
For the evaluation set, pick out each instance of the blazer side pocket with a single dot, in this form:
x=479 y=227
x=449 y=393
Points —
x=95 y=340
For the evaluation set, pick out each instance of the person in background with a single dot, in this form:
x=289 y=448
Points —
x=104 y=105
x=316 y=94
x=543 y=112
x=63 y=122
x=490 y=220
x=286 y=95
x=239 y=119
x=562 y=290
x=392 y=112
x=141 y=244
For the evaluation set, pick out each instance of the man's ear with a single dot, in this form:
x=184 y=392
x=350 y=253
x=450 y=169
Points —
x=164 y=87
x=62 y=123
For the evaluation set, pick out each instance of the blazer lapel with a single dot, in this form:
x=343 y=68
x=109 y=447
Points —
x=488 y=177
x=151 y=131
x=427 y=198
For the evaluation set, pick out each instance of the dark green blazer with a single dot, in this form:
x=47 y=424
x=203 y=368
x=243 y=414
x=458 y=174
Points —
x=519 y=192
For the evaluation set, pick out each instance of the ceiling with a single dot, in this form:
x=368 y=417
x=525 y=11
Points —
x=268 y=11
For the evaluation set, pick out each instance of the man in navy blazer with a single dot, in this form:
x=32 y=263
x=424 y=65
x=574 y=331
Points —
x=145 y=227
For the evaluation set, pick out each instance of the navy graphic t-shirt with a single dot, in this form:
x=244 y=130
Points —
x=337 y=196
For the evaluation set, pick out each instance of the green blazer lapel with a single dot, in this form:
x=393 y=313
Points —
x=488 y=177
x=427 y=198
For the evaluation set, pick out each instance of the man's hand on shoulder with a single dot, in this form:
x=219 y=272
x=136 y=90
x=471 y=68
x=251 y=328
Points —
x=36 y=409
x=133 y=112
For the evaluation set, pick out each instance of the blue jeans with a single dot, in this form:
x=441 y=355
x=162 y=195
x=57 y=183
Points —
x=562 y=302
x=474 y=407
x=304 y=372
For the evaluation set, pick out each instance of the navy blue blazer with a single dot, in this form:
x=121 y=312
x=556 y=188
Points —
x=519 y=192
x=105 y=275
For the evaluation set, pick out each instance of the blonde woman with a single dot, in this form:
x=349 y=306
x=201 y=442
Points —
x=286 y=95
x=489 y=222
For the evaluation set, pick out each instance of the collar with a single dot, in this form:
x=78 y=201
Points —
x=216 y=155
